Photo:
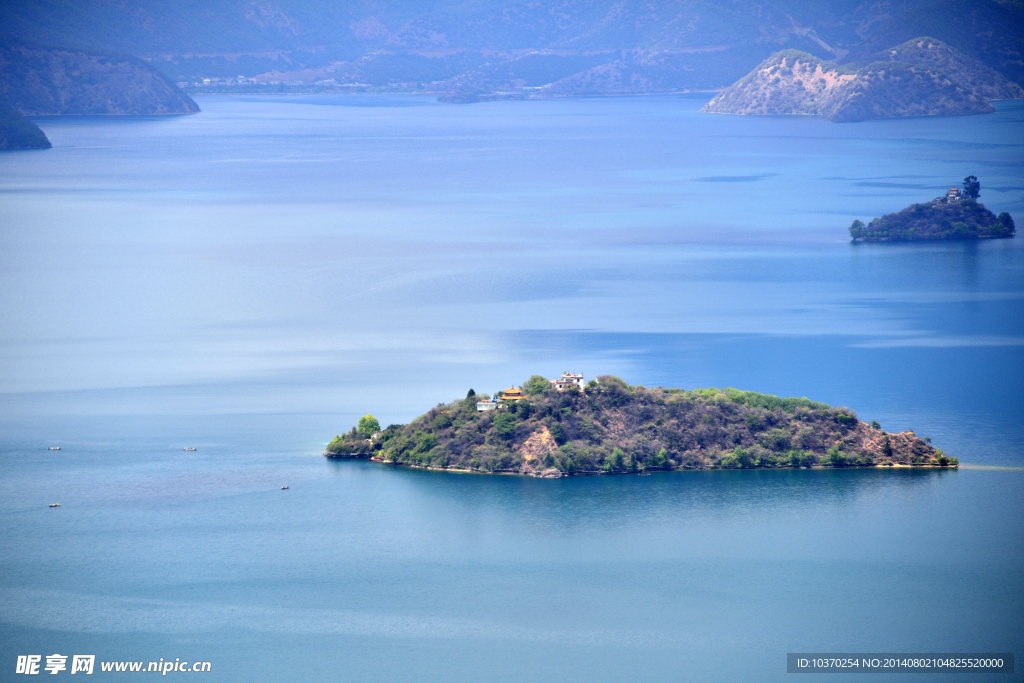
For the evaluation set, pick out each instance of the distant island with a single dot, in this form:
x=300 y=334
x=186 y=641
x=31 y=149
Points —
x=563 y=427
x=921 y=77
x=957 y=215
x=18 y=132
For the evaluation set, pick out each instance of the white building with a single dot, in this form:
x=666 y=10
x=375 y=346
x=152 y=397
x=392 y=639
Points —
x=567 y=380
x=953 y=194
x=486 y=405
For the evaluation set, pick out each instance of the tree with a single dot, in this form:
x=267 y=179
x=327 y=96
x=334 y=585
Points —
x=972 y=188
x=368 y=424
x=505 y=424
x=875 y=425
x=470 y=394
x=558 y=433
x=536 y=385
x=856 y=228
x=618 y=458
x=1007 y=220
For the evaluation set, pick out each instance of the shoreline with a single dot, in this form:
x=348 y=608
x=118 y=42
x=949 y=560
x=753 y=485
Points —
x=598 y=473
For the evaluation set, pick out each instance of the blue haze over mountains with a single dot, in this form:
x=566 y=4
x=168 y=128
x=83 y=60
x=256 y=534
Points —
x=671 y=45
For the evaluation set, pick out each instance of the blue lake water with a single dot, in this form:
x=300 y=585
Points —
x=252 y=279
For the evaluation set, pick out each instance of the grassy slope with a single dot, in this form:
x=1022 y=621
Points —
x=613 y=427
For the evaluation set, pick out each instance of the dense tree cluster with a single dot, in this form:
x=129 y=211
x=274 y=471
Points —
x=612 y=427
x=937 y=220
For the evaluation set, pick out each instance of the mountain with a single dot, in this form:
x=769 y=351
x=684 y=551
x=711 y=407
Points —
x=989 y=31
x=531 y=47
x=612 y=427
x=39 y=81
x=923 y=77
x=967 y=72
x=18 y=132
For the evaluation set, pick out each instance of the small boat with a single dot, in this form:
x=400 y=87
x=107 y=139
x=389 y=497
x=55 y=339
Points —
x=190 y=448
x=54 y=448
x=55 y=505
x=284 y=488
x=644 y=474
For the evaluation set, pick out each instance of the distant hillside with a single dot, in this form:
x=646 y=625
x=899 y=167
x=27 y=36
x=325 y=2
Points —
x=484 y=47
x=923 y=77
x=936 y=220
x=611 y=427
x=991 y=32
x=18 y=132
x=41 y=82
x=967 y=72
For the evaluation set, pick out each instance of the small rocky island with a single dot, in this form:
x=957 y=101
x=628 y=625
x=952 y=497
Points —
x=565 y=427
x=957 y=215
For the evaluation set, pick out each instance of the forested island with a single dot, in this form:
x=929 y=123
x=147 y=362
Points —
x=611 y=427
x=955 y=216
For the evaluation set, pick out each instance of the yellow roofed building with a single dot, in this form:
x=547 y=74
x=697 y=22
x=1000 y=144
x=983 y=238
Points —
x=513 y=394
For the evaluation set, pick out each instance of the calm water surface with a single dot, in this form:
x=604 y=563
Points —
x=252 y=279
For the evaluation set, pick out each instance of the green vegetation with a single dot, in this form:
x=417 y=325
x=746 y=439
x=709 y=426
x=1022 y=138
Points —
x=613 y=427
x=937 y=220
x=18 y=132
x=368 y=424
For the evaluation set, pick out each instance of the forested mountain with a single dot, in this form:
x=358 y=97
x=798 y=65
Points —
x=570 y=46
x=41 y=82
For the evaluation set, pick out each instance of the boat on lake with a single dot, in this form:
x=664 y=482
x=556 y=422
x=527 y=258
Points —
x=189 y=448
x=54 y=448
x=55 y=505
x=283 y=488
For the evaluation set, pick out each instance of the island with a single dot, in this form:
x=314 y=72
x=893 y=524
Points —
x=563 y=428
x=922 y=77
x=957 y=215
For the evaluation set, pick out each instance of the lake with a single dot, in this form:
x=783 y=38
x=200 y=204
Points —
x=252 y=279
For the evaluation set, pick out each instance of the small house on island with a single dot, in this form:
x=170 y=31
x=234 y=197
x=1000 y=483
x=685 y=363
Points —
x=567 y=380
x=953 y=194
x=489 y=404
